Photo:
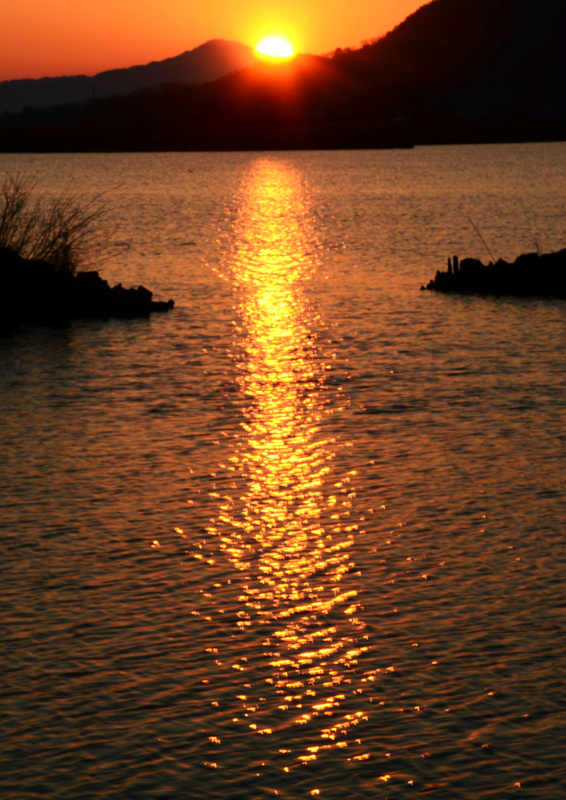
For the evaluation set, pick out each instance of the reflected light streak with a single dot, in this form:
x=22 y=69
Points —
x=289 y=529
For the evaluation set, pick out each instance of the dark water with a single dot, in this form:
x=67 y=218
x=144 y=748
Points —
x=304 y=535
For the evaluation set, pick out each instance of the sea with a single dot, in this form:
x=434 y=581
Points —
x=304 y=535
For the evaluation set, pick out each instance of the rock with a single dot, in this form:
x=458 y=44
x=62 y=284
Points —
x=35 y=291
x=530 y=274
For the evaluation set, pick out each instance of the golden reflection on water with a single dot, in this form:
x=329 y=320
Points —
x=290 y=530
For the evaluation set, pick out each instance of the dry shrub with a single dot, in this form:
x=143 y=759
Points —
x=63 y=231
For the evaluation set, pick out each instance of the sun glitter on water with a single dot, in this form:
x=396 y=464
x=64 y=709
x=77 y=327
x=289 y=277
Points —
x=275 y=48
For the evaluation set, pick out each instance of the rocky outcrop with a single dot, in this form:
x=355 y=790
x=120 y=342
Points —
x=529 y=275
x=35 y=291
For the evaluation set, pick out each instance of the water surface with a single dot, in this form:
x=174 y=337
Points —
x=303 y=535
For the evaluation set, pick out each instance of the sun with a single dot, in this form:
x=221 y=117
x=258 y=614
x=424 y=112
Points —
x=275 y=48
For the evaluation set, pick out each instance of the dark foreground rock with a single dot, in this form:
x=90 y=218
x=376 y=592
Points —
x=530 y=275
x=35 y=291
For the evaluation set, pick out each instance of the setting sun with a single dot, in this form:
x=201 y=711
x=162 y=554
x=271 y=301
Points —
x=275 y=47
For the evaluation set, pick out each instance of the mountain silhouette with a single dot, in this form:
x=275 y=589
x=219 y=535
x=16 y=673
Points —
x=472 y=58
x=453 y=71
x=206 y=63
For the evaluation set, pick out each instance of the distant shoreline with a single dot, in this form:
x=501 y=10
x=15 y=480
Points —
x=76 y=138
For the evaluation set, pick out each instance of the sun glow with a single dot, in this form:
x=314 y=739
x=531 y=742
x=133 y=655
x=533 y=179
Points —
x=275 y=48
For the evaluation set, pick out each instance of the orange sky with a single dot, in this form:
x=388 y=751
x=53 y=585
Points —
x=70 y=37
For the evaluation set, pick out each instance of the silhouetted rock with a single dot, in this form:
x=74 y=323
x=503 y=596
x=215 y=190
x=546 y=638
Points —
x=530 y=274
x=35 y=291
